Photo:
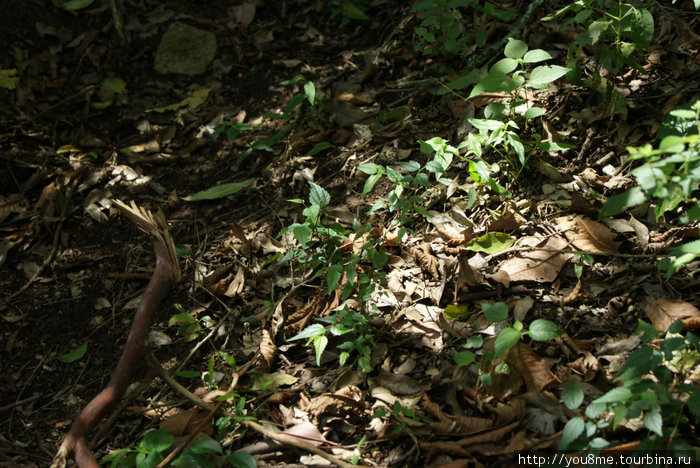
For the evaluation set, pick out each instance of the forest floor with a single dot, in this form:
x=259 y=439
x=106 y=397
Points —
x=73 y=269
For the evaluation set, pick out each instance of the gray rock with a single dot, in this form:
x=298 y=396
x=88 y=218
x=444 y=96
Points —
x=185 y=50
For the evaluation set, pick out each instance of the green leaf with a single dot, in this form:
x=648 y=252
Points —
x=75 y=5
x=495 y=311
x=157 y=441
x=533 y=112
x=454 y=311
x=543 y=330
x=312 y=331
x=242 y=460
x=318 y=147
x=654 y=422
x=615 y=395
x=310 y=92
x=506 y=339
x=370 y=168
x=320 y=343
x=369 y=183
x=545 y=74
x=350 y=10
x=220 y=191
x=572 y=430
x=464 y=358
x=113 y=85
x=491 y=242
x=318 y=195
x=333 y=274
x=301 y=232
x=536 y=55
x=617 y=203
x=207 y=446
x=74 y=355
x=572 y=396
x=515 y=48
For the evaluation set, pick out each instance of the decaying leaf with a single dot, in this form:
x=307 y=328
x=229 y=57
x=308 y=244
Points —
x=538 y=266
x=586 y=234
x=663 y=312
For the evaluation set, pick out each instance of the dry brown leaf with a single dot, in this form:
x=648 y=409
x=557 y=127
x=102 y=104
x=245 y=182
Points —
x=268 y=350
x=422 y=255
x=663 y=312
x=399 y=384
x=236 y=286
x=345 y=402
x=534 y=369
x=15 y=203
x=495 y=435
x=538 y=266
x=184 y=422
x=586 y=234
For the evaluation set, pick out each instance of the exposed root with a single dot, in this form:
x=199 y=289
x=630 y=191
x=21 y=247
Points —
x=167 y=272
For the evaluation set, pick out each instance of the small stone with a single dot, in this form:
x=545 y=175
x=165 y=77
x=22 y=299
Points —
x=185 y=50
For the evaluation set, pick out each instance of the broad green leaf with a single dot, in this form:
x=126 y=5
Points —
x=543 y=330
x=495 y=311
x=536 y=55
x=220 y=191
x=464 y=358
x=654 y=422
x=242 y=460
x=182 y=318
x=506 y=339
x=515 y=48
x=75 y=5
x=545 y=74
x=370 y=168
x=333 y=274
x=491 y=242
x=74 y=355
x=572 y=396
x=312 y=331
x=157 y=441
x=617 y=203
x=318 y=195
x=454 y=311
x=113 y=85
x=504 y=66
x=572 y=430
x=533 y=112
x=301 y=232
x=318 y=147
x=207 y=446
x=689 y=248
x=616 y=395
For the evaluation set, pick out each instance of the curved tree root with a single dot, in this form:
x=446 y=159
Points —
x=167 y=272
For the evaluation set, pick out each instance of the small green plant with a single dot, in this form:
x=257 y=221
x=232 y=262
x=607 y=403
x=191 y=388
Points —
x=304 y=105
x=151 y=449
x=670 y=174
x=615 y=31
x=441 y=30
x=500 y=129
x=328 y=250
x=398 y=416
x=507 y=338
x=350 y=10
x=231 y=130
x=653 y=385
x=410 y=180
